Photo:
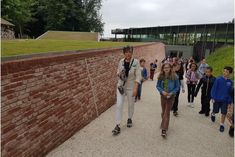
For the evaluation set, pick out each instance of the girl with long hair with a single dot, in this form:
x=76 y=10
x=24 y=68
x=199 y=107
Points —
x=167 y=85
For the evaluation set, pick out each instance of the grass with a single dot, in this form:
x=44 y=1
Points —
x=221 y=57
x=67 y=35
x=21 y=47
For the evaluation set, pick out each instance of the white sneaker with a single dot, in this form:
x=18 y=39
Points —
x=192 y=105
x=189 y=104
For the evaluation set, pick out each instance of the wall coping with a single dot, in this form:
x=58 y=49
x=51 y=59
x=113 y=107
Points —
x=24 y=62
x=65 y=53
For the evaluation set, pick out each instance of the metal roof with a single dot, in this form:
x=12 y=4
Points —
x=172 y=27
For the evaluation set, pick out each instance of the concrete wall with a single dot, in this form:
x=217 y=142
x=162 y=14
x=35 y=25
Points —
x=187 y=51
x=47 y=99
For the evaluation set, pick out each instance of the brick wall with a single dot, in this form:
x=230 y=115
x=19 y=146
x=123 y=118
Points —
x=45 y=100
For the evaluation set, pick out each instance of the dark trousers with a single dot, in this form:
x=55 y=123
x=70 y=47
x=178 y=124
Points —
x=152 y=74
x=205 y=102
x=176 y=102
x=191 y=91
x=139 y=91
x=166 y=109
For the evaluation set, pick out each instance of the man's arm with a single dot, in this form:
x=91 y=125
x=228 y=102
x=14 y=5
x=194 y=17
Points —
x=214 y=88
x=159 y=87
x=119 y=69
x=198 y=87
x=176 y=88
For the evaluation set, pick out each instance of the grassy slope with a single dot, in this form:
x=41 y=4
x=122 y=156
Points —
x=67 y=35
x=18 y=47
x=222 y=57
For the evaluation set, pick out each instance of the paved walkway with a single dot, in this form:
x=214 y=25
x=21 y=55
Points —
x=189 y=135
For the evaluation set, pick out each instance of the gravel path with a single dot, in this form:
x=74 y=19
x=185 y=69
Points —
x=189 y=135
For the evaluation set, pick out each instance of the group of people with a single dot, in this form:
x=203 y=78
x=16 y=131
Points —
x=132 y=73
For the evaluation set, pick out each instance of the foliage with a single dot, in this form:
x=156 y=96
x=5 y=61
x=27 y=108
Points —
x=221 y=57
x=34 y=17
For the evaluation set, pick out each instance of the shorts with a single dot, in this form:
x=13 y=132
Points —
x=220 y=105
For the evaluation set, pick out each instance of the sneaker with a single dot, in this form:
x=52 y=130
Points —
x=129 y=123
x=192 y=105
x=212 y=118
x=231 y=131
x=201 y=112
x=207 y=114
x=221 y=128
x=189 y=104
x=116 y=130
x=175 y=113
x=164 y=133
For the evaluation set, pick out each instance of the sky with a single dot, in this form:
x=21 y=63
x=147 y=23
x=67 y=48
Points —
x=147 y=13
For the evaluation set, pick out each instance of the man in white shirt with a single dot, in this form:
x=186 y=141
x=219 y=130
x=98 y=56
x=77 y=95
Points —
x=129 y=77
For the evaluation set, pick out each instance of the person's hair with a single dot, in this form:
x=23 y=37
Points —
x=171 y=76
x=164 y=60
x=193 y=64
x=230 y=69
x=175 y=64
x=176 y=59
x=209 y=68
x=181 y=68
x=127 y=49
x=191 y=60
x=142 y=60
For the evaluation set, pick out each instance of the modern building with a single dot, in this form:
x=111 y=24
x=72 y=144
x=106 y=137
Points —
x=183 y=40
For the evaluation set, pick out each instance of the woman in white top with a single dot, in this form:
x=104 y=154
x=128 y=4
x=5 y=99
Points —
x=129 y=77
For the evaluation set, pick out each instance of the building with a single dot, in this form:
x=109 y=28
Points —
x=7 y=30
x=197 y=40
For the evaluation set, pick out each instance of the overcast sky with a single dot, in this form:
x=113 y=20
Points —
x=146 y=13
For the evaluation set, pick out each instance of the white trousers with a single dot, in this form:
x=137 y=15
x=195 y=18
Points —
x=120 y=103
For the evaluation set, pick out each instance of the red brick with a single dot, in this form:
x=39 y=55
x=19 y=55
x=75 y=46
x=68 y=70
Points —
x=8 y=128
x=13 y=110
x=12 y=85
x=7 y=92
x=55 y=97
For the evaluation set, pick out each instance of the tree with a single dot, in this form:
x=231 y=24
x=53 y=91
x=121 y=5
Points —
x=74 y=15
x=94 y=19
x=17 y=12
x=34 y=17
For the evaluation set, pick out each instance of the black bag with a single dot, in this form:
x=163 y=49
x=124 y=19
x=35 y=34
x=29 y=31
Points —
x=121 y=89
x=122 y=75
